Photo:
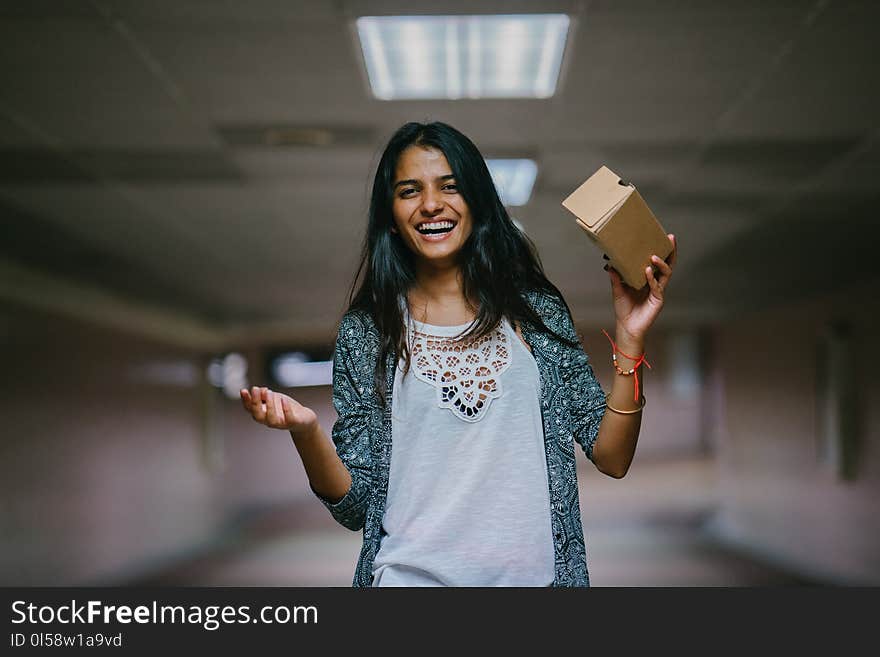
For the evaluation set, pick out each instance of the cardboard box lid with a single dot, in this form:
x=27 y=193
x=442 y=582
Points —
x=594 y=200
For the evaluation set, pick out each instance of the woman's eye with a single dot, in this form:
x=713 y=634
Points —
x=407 y=193
x=451 y=186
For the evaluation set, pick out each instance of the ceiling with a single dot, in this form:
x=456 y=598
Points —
x=137 y=187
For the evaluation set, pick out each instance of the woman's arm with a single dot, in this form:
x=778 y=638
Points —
x=635 y=311
x=618 y=433
x=328 y=476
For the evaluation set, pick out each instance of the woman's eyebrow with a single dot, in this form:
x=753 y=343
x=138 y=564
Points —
x=411 y=181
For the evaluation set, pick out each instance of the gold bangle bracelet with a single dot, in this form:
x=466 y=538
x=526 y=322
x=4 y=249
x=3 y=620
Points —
x=616 y=410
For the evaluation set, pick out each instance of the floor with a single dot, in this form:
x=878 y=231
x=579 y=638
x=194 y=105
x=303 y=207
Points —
x=648 y=529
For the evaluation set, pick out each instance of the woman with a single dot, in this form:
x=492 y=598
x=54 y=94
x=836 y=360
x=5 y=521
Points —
x=459 y=352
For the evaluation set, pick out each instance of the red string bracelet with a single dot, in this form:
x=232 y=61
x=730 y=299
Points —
x=633 y=372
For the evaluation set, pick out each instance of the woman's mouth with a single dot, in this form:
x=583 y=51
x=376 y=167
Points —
x=436 y=231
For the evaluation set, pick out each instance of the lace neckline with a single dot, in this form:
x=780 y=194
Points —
x=465 y=373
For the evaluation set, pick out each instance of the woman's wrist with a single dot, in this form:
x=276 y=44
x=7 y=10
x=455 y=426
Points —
x=630 y=350
x=628 y=346
x=622 y=333
x=304 y=433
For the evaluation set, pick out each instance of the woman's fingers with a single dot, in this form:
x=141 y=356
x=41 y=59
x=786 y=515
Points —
x=274 y=412
x=271 y=414
x=287 y=408
x=267 y=407
x=258 y=410
x=279 y=410
x=656 y=290
x=272 y=409
x=664 y=268
x=616 y=282
x=674 y=255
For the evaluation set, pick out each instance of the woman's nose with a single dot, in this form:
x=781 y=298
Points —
x=432 y=202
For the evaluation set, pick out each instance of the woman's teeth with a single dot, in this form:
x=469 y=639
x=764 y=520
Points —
x=435 y=228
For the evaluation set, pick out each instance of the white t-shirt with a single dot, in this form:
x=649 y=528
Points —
x=468 y=501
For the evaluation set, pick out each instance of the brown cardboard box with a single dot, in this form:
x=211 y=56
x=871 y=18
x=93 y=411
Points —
x=618 y=220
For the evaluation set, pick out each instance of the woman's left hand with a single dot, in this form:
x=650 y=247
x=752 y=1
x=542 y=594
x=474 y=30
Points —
x=636 y=310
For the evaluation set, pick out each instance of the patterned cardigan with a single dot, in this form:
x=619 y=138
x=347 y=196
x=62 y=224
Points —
x=572 y=406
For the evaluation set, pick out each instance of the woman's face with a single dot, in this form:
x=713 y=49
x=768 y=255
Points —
x=430 y=215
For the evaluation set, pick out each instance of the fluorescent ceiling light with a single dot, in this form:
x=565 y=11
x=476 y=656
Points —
x=496 y=56
x=514 y=179
x=294 y=370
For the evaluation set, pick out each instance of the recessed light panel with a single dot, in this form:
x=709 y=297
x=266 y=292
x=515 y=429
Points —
x=514 y=179
x=495 y=56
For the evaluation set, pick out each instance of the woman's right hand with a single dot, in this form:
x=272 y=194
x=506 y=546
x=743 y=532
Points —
x=277 y=410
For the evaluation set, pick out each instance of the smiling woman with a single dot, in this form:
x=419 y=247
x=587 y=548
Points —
x=460 y=386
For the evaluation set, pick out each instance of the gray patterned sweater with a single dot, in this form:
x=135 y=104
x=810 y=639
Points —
x=572 y=406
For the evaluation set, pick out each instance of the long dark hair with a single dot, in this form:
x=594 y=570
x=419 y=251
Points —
x=498 y=262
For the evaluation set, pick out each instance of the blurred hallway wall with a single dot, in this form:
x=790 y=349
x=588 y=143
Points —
x=115 y=456
x=785 y=491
